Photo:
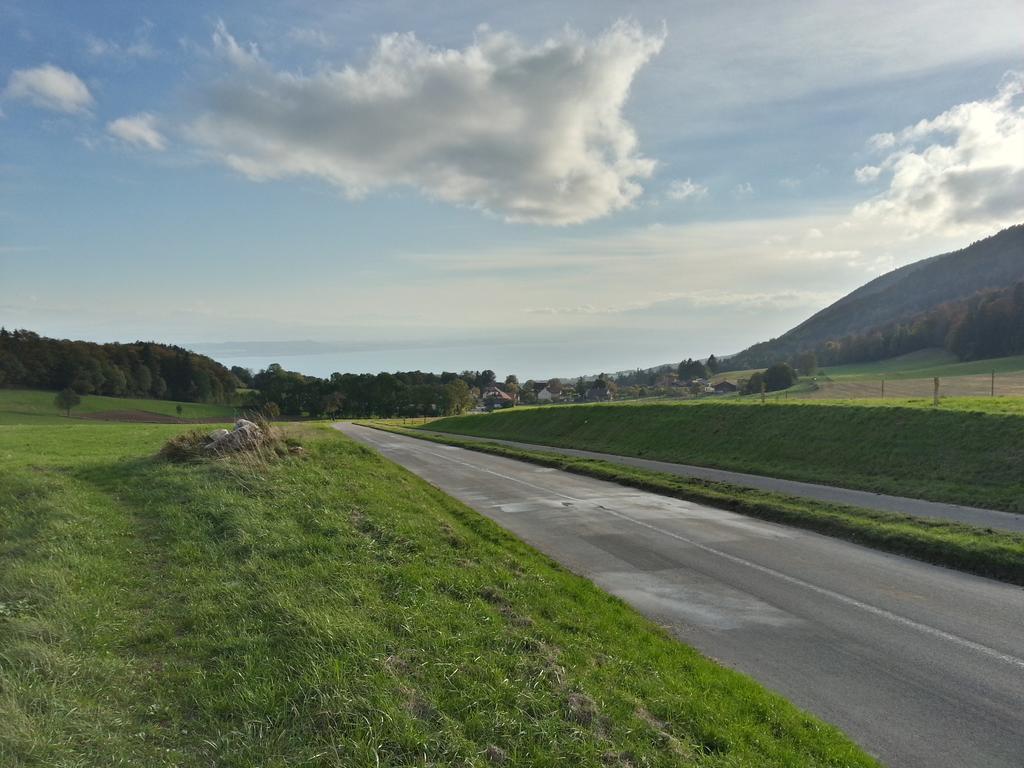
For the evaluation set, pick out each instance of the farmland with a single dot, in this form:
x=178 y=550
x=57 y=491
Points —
x=36 y=407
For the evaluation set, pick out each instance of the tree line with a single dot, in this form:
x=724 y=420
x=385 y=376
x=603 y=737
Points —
x=141 y=369
x=988 y=324
x=405 y=393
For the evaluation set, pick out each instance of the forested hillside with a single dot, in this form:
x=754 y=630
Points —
x=988 y=324
x=908 y=298
x=142 y=369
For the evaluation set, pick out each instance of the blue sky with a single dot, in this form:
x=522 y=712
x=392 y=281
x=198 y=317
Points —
x=538 y=188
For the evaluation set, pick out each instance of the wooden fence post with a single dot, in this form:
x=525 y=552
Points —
x=935 y=397
x=883 y=387
x=762 y=390
x=993 y=383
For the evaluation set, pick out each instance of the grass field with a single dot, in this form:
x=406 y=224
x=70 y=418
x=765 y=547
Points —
x=907 y=377
x=969 y=452
x=327 y=610
x=926 y=364
x=18 y=406
x=995 y=554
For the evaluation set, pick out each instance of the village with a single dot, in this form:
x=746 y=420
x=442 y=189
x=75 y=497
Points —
x=667 y=381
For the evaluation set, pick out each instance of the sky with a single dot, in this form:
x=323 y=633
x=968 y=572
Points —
x=546 y=189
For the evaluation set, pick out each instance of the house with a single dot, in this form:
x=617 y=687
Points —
x=724 y=388
x=495 y=398
x=546 y=396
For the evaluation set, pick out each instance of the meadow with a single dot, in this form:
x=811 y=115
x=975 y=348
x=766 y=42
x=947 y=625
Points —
x=907 y=377
x=926 y=364
x=967 y=452
x=327 y=609
x=36 y=406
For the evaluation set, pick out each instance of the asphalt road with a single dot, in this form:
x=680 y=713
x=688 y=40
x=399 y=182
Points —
x=921 y=665
x=983 y=518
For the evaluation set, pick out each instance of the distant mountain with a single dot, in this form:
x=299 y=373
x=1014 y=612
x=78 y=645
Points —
x=993 y=263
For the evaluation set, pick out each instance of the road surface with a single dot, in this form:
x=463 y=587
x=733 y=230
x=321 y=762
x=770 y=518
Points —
x=921 y=665
x=983 y=518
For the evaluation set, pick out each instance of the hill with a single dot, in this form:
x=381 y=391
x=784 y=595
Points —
x=994 y=263
x=143 y=369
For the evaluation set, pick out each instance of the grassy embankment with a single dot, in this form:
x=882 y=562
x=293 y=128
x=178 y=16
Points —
x=957 y=453
x=996 y=554
x=19 y=406
x=328 y=609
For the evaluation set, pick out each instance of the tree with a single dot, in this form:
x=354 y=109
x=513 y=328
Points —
x=457 y=397
x=752 y=386
x=712 y=364
x=271 y=410
x=244 y=375
x=67 y=399
x=807 y=363
x=779 y=376
x=512 y=385
x=692 y=369
x=333 y=404
x=178 y=409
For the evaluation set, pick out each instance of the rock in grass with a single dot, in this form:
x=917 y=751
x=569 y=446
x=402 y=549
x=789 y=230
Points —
x=246 y=434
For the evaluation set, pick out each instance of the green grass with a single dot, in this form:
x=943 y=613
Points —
x=983 y=551
x=926 y=363
x=32 y=406
x=328 y=610
x=956 y=453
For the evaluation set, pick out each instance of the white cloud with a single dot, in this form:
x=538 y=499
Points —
x=531 y=133
x=686 y=189
x=49 y=87
x=139 y=130
x=882 y=141
x=961 y=173
x=743 y=191
x=789 y=299
x=139 y=48
x=702 y=299
x=582 y=309
x=242 y=57
x=868 y=173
